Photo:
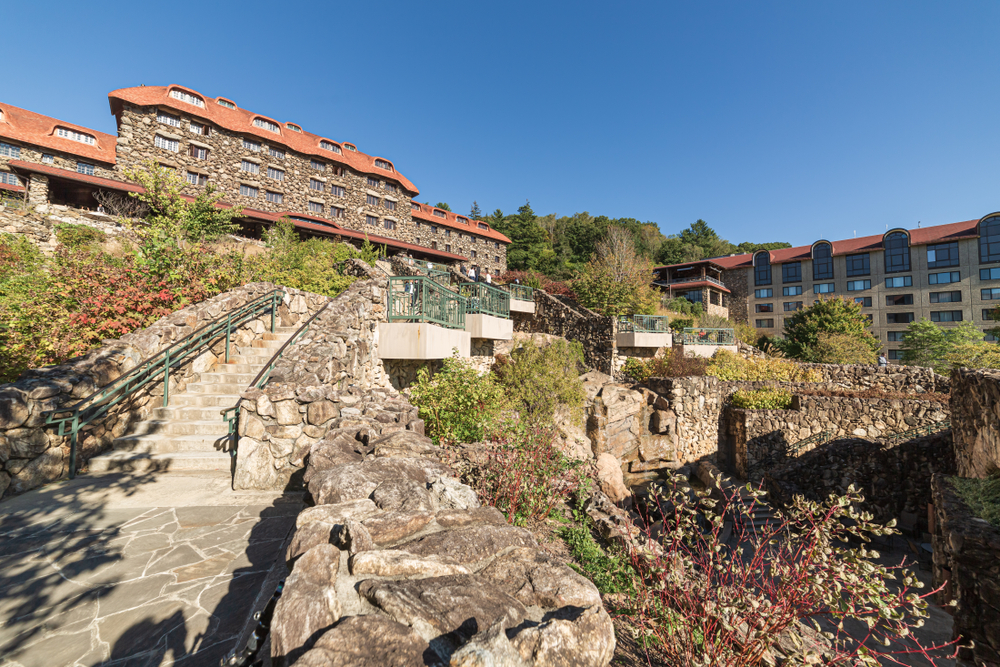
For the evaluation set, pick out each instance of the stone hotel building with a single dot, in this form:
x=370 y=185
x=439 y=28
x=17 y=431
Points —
x=272 y=169
x=944 y=273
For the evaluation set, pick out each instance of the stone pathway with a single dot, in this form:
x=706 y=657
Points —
x=143 y=569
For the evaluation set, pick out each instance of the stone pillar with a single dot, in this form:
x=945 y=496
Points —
x=38 y=190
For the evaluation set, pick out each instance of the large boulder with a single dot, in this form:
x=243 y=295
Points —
x=367 y=641
x=308 y=604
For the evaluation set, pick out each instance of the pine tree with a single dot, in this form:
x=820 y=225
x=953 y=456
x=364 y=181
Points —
x=476 y=213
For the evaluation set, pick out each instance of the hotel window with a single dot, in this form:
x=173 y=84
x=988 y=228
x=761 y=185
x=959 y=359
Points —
x=225 y=103
x=870 y=319
x=439 y=214
x=944 y=278
x=434 y=228
x=266 y=124
x=941 y=255
x=482 y=225
x=251 y=145
x=330 y=146
x=858 y=265
x=276 y=152
x=390 y=224
x=250 y=167
x=898 y=318
x=351 y=147
x=9 y=178
x=316 y=207
x=276 y=174
x=198 y=128
x=274 y=197
x=199 y=153
x=989 y=314
x=990 y=338
x=989 y=240
x=946 y=316
x=293 y=127
x=248 y=191
x=317 y=165
x=858 y=285
x=473 y=254
x=763 y=293
x=899 y=300
x=447 y=247
x=336 y=170
x=946 y=297
x=371 y=200
x=447 y=232
x=761 y=269
x=6 y=150
x=824 y=288
x=496 y=258
x=187 y=97
x=896 y=355
x=764 y=324
x=984 y=274
x=901 y=281
x=48 y=159
x=865 y=301
x=792 y=305
x=434 y=245
x=391 y=187
x=897 y=252
x=382 y=164
x=167 y=119
x=794 y=290
x=336 y=212
x=167 y=144
x=764 y=308
x=990 y=293
x=337 y=191
x=85 y=168
x=414 y=206
x=75 y=136
x=316 y=185
x=371 y=219
x=373 y=182
x=791 y=272
x=389 y=204
x=895 y=336
x=822 y=262
x=196 y=179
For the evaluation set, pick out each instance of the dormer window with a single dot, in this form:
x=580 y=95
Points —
x=1 y=114
x=226 y=103
x=483 y=225
x=897 y=252
x=77 y=136
x=464 y=221
x=330 y=146
x=440 y=214
x=266 y=124
x=184 y=96
x=383 y=164
x=822 y=254
x=293 y=127
x=414 y=206
x=351 y=147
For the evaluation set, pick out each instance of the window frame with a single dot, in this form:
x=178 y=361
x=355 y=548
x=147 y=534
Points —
x=757 y=294
x=853 y=269
x=822 y=261
x=950 y=251
x=989 y=240
x=852 y=285
x=953 y=277
x=951 y=316
x=818 y=288
x=935 y=297
x=896 y=252
x=794 y=290
x=791 y=272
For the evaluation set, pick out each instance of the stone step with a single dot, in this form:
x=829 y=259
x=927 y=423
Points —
x=220 y=399
x=268 y=344
x=236 y=366
x=277 y=336
x=172 y=462
x=181 y=427
x=161 y=443
x=189 y=413
x=233 y=388
x=227 y=378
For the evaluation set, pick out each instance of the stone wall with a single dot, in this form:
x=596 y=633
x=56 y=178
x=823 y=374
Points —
x=398 y=564
x=967 y=562
x=38 y=223
x=975 y=420
x=31 y=454
x=893 y=476
x=312 y=387
x=697 y=403
x=558 y=316
x=736 y=281
x=908 y=379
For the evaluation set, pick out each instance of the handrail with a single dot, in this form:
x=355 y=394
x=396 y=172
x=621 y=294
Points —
x=231 y=414
x=421 y=299
x=486 y=299
x=101 y=401
x=520 y=292
x=643 y=324
x=708 y=336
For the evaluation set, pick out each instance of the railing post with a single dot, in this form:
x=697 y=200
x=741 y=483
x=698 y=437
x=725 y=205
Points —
x=166 y=378
x=229 y=324
x=274 y=307
x=72 y=446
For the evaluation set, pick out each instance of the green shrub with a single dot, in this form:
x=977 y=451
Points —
x=683 y=306
x=671 y=364
x=769 y=398
x=637 y=369
x=731 y=367
x=981 y=495
x=747 y=333
x=838 y=348
x=458 y=404
x=79 y=236
x=611 y=572
x=679 y=324
x=536 y=379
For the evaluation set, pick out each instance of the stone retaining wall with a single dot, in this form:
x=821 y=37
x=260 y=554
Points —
x=975 y=421
x=967 y=561
x=909 y=379
x=559 y=316
x=31 y=454
x=39 y=223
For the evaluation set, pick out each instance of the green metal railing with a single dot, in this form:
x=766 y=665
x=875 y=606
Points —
x=442 y=278
x=521 y=292
x=643 y=324
x=231 y=415
x=71 y=420
x=420 y=299
x=701 y=336
x=482 y=298
x=919 y=431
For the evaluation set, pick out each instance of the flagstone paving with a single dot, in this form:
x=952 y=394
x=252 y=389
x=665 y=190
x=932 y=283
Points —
x=138 y=570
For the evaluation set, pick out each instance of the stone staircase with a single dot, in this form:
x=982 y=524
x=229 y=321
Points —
x=190 y=434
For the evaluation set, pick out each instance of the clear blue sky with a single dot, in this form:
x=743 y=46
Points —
x=770 y=120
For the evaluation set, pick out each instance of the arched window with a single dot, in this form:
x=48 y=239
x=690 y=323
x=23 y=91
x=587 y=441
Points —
x=989 y=240
x=762 y=269
x=822 y=261
x=897 y=252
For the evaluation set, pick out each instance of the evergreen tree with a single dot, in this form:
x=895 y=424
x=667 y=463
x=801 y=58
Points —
x=836 y=315
x=441 y=205
x=476 y=213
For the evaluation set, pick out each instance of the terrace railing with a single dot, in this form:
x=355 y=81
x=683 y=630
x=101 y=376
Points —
x=485 y=299
x=521 y=292
x=643 y=324
x=442 y=278
x=704 y=336
x=72 y=419
x=421 y=299
x=696 y=279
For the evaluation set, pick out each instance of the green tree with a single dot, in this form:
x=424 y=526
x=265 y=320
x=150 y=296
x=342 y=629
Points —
x=441 y=205
x=749 y=248
x=617 y=280
x=836 y=315
x=530 y=244
x=927 y=344
x=475 y=212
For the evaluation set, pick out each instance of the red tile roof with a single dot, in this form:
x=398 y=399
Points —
x=33 y=128
x=15 y=188
x=921 y=236
x=241 y=120
x=73 y=176
x=695 y=263
x=425 y=212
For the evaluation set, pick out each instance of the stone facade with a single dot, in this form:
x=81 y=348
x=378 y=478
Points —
x=975 y=421
x=967 y=563
x=32 y=455
x=736 y=281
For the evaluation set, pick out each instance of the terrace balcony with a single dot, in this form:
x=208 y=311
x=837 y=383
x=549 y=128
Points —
x=522 y=299
x=704 y=342
x=487 y=311
x=425 y=321
x=644 y=331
